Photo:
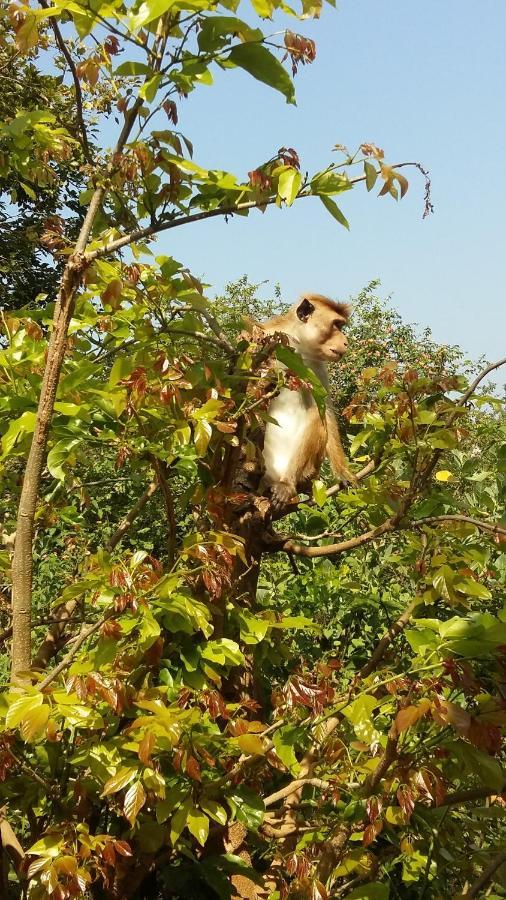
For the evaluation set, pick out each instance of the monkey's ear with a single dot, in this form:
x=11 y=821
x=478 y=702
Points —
x=304 y=310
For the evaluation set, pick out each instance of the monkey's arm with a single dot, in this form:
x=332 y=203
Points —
x=334 y=449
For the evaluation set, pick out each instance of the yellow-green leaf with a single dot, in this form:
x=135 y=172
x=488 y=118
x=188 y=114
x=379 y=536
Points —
x=21 y=707
x=251 y=743
x=395 y=815
x=34 y=723
x=202 y=436
x=198 y=825
x=444 y=475
x=118 y=781
x=289 y=184
x=135 y=799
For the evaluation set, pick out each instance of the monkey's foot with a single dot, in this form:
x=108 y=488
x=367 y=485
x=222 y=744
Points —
x=281 y=494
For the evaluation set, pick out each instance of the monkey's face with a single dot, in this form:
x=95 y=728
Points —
x=320 y=330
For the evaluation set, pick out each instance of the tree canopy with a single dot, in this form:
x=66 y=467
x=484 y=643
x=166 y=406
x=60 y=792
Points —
x=203 y=698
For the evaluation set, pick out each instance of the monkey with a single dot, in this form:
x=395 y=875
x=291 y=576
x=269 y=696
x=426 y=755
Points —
x=294 y=447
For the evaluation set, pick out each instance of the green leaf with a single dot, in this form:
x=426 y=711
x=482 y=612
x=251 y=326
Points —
x=202 y=434
x=319 y=492
x=291 y=359
x=223 y=651
x=248 y=807
x=198 y=825
x=443 y=582
x=334 y=210
x=34 y=723
x=50 y=845
x=123 y=366
x=472 y=588
x=28 y=191
x=176 y=794
x=489 y=770
x=217 y=30
x=285 y=740
x=370 y=175
x=253 y=629
x=359 y=714
x=330 y=182
x=260 y=62
x=148 y=11
x=178 y=820
x=18 y=428
x=263 y=8
x=443 y=439
x=289 y=184
x=149 y=89
x=133 y=68
x=58 y=455
x=213 y=810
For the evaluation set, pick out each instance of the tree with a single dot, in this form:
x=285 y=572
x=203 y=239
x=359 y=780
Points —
x=191 y=738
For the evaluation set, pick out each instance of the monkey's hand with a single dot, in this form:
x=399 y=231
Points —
x=346 y=478
x=281 y=494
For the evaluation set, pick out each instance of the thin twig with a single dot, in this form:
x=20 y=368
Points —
x=163 y=483
x=67 y=659
x=388 y=756
x=77 y=85
x=382 y=645
x=130 y=517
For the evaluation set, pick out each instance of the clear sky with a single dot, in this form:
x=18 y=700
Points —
x=426 y=81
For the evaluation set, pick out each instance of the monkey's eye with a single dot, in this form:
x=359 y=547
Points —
x=338 y=324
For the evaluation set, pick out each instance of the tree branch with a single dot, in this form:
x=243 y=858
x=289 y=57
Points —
x=157 y=227
x=294 y=787
x=492 y=527
x=394 y=630
x=387 y=758
x=289 y=546
x=131 y=516
x=486 y=875
x=84 y=634
x=468 y=796
x=22 y=562
x=77 y=85
x=161 y=474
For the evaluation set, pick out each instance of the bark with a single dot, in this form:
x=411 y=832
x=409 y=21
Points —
x=22 y=559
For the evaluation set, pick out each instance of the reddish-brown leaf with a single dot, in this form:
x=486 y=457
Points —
x=193 y=769
x=146 y=747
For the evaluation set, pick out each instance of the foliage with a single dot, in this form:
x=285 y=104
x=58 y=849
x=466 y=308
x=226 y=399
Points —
x=337 y=731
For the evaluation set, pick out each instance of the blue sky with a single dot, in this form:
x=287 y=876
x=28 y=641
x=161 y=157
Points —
x=425 y=81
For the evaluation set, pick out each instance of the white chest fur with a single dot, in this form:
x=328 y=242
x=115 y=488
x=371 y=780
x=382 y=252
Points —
x=290 y=410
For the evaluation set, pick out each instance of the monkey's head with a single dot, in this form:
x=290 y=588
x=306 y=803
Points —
x=318 y=326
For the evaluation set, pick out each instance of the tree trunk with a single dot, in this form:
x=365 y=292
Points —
x=22 y=559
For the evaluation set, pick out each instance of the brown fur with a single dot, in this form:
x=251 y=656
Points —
x=294 y=449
